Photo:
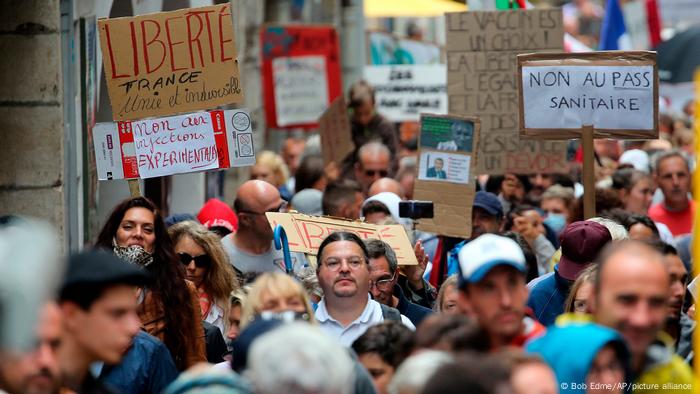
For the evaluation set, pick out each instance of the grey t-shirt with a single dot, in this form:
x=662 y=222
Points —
x=272 y=260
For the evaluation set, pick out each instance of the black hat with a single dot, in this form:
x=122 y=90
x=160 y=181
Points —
x=241 y=346
x=97 y=267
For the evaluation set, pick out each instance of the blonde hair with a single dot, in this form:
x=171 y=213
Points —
x=276 y=164
x=274 y=284
x=588 y=275
x=450 y=281
x=220 y=279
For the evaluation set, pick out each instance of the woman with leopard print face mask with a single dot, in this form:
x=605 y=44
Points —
x=135 y=231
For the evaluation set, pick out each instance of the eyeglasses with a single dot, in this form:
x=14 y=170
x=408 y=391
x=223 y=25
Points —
x=281 y=208
x=334 y=264
x=382 y=173
x=201 y=261
x=382 y=284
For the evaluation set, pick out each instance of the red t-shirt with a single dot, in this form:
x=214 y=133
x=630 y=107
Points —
x=679 y=222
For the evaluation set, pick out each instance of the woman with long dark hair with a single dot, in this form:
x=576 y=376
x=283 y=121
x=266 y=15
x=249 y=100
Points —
x=168 y=309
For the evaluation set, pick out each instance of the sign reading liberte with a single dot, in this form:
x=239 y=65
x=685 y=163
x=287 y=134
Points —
x=482 y=81
x=614 y=92
x=170 y=62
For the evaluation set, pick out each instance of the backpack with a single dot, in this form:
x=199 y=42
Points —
x=391 y=314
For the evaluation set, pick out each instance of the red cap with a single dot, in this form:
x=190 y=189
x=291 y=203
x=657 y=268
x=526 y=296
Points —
x=215 y=213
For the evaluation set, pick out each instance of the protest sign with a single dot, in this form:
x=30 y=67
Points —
x=616 y=93
x=403 y=92
x=173 y=145
x=334 y=128
x=482 y=80
x=170 y=62
x=447 y=151
x=305 y=233
x=301 y=73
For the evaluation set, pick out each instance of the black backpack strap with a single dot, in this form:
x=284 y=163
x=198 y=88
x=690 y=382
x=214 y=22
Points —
x=390 y=313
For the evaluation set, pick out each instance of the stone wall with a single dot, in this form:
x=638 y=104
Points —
x=31 y=111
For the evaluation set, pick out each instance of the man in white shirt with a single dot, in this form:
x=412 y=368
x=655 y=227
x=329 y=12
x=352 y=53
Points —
x=346 y=309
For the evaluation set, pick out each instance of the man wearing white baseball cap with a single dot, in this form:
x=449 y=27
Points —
x=493 y=290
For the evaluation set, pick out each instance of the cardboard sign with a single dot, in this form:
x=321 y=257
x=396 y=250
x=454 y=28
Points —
x=170 y=62
x=305 y=233
x=403 y=92
x=336 y=136
x=482 y=80
x=301 y=73
x=446 y=176
x=615 y=92
x=174 y=145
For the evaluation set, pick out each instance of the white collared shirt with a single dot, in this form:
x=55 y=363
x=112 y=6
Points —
x=216 y=318
x=371 y=315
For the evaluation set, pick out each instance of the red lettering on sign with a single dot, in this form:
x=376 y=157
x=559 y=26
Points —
x=313 y=234
x=172 y=44
x=223 y=14
x=147 y=45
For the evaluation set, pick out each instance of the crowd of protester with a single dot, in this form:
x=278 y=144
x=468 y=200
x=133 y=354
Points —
x=538 y=299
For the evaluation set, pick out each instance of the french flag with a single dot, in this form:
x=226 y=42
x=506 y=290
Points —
x=613 y=34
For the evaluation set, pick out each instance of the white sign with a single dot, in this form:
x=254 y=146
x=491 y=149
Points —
x=173 y=145
x=402 y=92
x=444 y=166
x=301 y=89
x=606 y=97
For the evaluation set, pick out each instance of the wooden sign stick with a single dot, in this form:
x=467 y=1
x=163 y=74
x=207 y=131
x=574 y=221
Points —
x=588 y=172
x=134 y=188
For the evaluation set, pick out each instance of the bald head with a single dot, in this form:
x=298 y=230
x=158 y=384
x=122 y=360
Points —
x=253 y=199
x=373 y=162
x=386 y=185
x=631 y=294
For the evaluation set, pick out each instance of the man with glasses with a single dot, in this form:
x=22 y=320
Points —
x=251 y=249
x=383 y=275
x=373 y=162
x=346 y=309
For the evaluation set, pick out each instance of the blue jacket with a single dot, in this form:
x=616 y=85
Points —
x=547 y=296
x=147 y=367
x=571 y=348
x=414 y=312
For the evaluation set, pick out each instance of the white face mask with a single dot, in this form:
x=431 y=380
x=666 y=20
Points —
x=134 y=254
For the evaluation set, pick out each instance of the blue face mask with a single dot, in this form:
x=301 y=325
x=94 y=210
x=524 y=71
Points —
x=556 y=222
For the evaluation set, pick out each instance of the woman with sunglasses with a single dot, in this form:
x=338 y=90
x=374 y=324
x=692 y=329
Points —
x=206 y=265
x=168 y=308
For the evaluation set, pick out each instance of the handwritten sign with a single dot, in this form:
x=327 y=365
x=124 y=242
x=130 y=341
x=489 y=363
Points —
x=305 y=233
x=173 y=145
x=482 y=80
x=301 y=73
x=403 y=92
x=170 y=62
x=615 y=92
x=334 y=128
x=446 y=176
x=301 y=89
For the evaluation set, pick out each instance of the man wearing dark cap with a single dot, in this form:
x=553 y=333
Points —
x=580 y=244
x=98 y=301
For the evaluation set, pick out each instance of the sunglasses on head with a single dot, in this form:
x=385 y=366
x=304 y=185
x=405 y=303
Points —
x=382 y=173
x=201 y=261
